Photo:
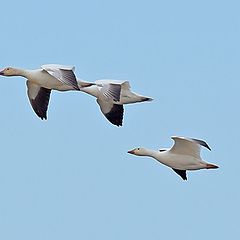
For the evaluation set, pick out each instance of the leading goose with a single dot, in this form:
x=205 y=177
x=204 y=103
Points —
x=40 y=82
x=184 y=155
x=111 y=96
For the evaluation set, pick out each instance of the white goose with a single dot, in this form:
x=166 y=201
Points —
x=184 y=155
x=111 y=96
x=40 y=82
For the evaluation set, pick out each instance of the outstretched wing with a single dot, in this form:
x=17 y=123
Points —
x=39 y=99
x=188 y=146
x=113 y=112
x=64 y=74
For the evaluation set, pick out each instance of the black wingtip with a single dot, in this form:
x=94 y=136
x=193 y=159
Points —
x=203 y=143
x=206 y=146
x=181 y=173
x=42 y=118
x=209 y=148
x=115 y=116
x=40 y=103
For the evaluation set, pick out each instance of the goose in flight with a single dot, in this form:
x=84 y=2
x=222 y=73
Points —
x=111 y=96
x=184 y=155
x=40 y=82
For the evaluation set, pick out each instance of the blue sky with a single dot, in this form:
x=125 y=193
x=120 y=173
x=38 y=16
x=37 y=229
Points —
x=70 y=177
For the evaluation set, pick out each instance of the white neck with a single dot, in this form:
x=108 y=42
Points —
x=159 y=156
x=150 y=152
x=21 y=72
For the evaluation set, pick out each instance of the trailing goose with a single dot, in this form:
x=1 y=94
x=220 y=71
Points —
x=184 y=155
x=40 y=82
x=111 y=96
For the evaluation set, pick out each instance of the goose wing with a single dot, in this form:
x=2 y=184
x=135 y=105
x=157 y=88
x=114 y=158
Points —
x=39 y=99
x=110 y=91
x=113 y=112
x=188 y=146
x=181 y=173
x=120 y=85
x=64 y=74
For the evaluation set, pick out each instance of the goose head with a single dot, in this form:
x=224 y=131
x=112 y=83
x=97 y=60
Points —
x=138 y=151
x=9 y=71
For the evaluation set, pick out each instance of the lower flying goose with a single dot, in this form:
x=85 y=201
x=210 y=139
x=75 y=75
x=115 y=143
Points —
x=184 y=155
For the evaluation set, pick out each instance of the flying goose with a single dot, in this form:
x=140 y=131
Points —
x=40 y=82
x=184 y=155
x=111 y=96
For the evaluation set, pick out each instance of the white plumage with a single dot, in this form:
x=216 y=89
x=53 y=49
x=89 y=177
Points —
x=184 y=155
x=40 y=82
x=111 y=96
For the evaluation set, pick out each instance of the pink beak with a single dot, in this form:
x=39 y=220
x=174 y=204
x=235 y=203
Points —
x=131 y=151
x=2 y=72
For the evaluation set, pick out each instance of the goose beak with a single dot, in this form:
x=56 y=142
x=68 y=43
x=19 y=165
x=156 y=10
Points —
x=2 y=72
x=131 y=151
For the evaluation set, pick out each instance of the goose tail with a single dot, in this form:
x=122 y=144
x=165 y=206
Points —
x=211 y=166
x=146 y=99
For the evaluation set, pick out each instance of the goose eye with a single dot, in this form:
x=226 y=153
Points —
x=7 y=68
x=138 y=149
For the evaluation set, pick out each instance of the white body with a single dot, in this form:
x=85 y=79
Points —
x=111 y=96
x=177 y=161
x=40 y=82
x=183 y=155
x=44 y=79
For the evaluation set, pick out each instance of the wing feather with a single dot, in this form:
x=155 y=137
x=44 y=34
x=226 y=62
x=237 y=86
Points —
x=113 y=112
x=64 y=74
x=188 y=146
x=111 y=91
x=39 y=99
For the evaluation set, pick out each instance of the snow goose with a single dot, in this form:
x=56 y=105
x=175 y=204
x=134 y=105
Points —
x=111 y=96
x=184 y=155
x=40 y=82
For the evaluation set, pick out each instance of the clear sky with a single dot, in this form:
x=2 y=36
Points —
x=70 y=177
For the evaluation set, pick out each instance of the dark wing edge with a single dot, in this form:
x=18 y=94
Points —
x=201 y=142
x=70 y=78
x=181 y=173
x=115 y=116
x=40 y=103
